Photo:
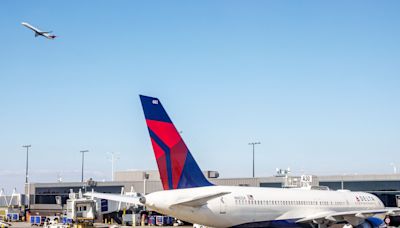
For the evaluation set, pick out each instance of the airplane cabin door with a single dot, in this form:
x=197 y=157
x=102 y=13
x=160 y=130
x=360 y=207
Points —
x=222 y=206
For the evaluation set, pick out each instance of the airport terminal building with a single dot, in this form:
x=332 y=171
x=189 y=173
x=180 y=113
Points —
x=51 y=197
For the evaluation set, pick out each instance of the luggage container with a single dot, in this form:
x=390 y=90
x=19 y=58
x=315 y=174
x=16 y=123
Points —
x=159 y=220
x=13 y=217
x=152 y=220
x=36 y=220
x=169 y=221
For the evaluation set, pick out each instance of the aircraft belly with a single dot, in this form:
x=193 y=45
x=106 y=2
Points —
x=275 y=224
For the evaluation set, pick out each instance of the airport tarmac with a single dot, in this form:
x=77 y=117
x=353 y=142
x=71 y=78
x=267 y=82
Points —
x=97 y=225
x=102 y=225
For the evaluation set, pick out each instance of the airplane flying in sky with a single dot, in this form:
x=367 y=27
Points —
x=38 y=32
x=189 y=196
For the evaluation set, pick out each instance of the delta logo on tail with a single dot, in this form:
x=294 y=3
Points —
x=176 y=165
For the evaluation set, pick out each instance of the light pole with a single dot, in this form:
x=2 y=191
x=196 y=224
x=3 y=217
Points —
x=145 y=178
x=26 y=174
x=114 y=157
x=394 y=167
x=27 y=157
x=253 y=144
x=83 y=160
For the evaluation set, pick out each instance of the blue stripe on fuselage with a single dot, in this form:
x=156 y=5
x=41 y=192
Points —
x=375 y=222
x=276 y=224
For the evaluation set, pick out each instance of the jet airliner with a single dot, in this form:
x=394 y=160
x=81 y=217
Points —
x=189 y=196
x=39 y=32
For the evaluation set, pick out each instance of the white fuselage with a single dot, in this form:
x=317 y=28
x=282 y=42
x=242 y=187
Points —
x=243 y=205
x=37 y=31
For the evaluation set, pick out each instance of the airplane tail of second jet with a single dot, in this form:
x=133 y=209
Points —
x=176 y=165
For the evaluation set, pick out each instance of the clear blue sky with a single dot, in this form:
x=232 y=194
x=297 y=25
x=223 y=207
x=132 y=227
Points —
x=317 y=82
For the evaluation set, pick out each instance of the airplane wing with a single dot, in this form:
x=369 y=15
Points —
x=31 y=27
x=199 y=201
x=114 y=197
x=349 y=216
x=192 y=202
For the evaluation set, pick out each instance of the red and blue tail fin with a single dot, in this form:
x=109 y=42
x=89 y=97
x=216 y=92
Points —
x=176 y=165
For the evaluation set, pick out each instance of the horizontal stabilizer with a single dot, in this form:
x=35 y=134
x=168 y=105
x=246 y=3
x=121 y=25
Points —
x=199 y=201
